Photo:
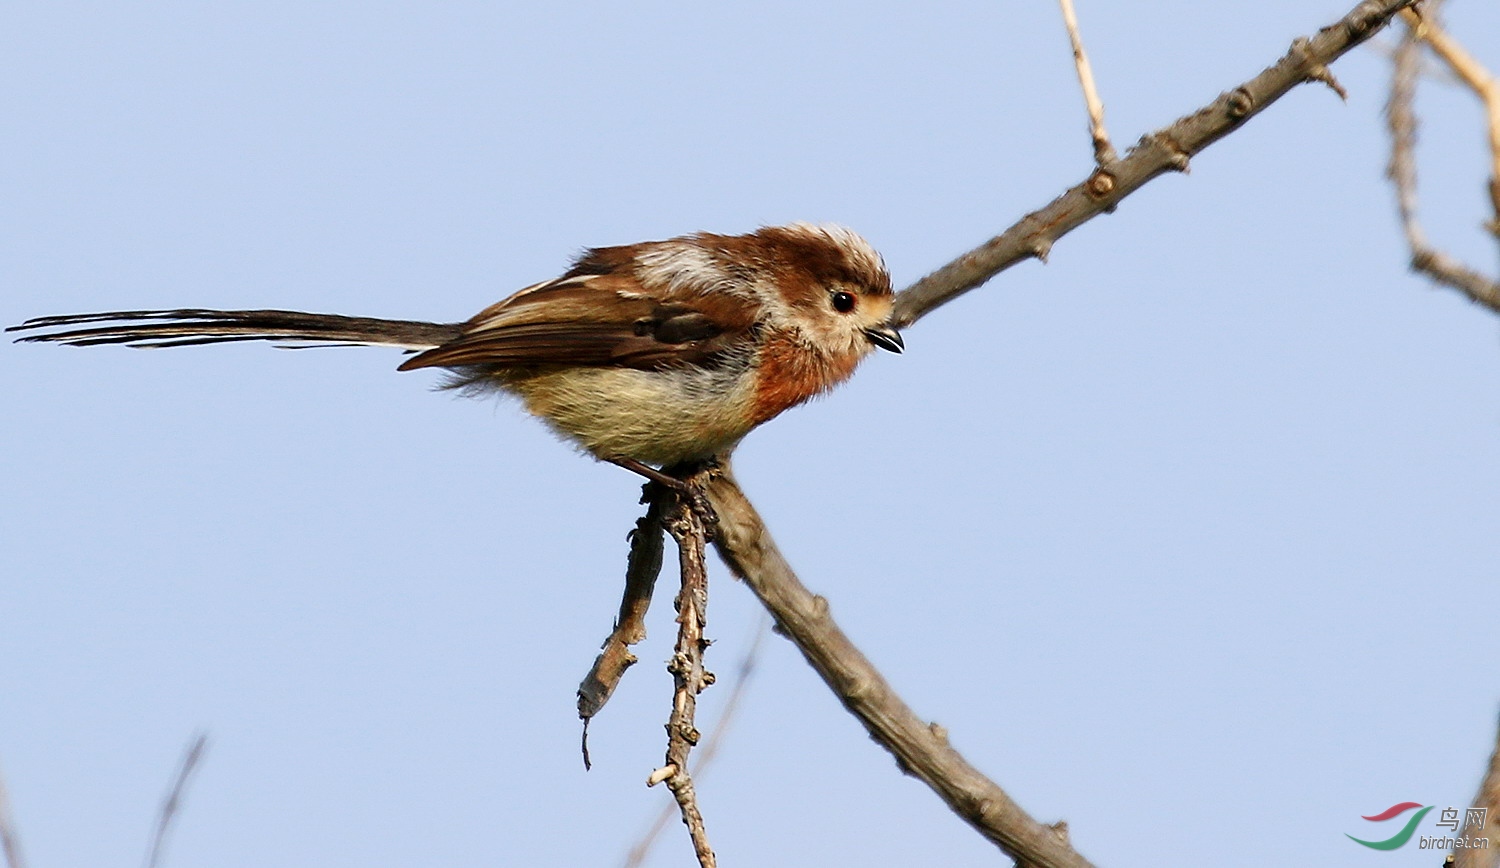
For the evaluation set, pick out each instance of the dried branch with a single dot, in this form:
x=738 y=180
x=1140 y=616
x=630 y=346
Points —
x=1167 y=150
x=921 y=749
x=173 y=802
x=10 y=839
x=1104 y=152
x=1487 y=798
x=1402 y=122
x=688 y=523
x=641 y=569
x=637 y=855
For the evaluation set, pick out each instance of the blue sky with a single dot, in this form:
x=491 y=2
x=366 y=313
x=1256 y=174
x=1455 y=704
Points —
x=1187 y=536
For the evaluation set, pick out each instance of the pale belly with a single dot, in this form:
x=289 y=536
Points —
x=659 y=417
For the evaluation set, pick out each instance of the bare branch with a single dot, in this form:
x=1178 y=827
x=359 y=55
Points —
x=1104 y=152
x=173 y=802
x=921 y=749
x=1487 y=798
x=641 y=570
x=1401 y=120
x=10 y=839
x=688 y=525
x=1166 y=150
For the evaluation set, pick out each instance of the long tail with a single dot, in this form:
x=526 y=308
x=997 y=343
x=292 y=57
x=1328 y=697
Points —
x=182 y=328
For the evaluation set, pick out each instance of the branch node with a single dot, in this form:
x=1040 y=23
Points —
x=938 y=731
x=1240 y=103
x=1101 y=184
x=1041 y=249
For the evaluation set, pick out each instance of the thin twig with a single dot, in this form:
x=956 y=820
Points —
x=641 y=569
x=1401 y=120
x=705 y=756
x=172 y=804
x=1104 y=152
x=1487 y=799
x=1166 y=150
x=921 y=749
x=688 y=524
x=10 y=839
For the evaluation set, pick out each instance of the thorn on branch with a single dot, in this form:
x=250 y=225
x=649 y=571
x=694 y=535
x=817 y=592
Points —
x=1322 y=74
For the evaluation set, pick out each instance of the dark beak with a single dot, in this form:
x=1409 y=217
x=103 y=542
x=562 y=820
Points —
x=886 y=337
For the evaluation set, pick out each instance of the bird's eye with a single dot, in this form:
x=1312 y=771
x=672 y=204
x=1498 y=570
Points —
x=843 y=302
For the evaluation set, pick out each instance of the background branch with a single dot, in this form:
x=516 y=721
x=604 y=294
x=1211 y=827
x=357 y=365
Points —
x=172 y=804
x=10 y=839
x=1401 y=120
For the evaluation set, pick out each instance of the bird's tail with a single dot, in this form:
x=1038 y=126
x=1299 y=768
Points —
x=183 y=328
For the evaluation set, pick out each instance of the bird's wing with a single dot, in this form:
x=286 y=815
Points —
x=596 y=320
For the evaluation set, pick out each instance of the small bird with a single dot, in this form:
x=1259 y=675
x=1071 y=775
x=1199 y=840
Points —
x=650 y=355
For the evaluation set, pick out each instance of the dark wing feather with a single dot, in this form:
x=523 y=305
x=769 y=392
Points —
x=661 y=335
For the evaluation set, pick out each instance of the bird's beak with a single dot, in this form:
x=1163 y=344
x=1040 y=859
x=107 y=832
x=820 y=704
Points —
x=885 y=337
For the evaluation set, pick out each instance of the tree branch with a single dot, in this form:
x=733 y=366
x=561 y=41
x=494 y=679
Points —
x=921 y=749
x=1167 y=150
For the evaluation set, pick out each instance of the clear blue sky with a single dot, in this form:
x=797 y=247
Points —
x=1188 y=537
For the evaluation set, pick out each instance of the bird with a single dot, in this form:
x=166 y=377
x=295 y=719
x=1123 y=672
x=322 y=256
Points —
x=653 y=356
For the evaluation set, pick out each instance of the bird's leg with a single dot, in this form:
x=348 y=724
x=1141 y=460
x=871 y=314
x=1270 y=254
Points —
x=650 y=473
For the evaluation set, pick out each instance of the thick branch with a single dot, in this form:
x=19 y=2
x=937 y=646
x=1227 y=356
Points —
x=920 y=748
x=1166 y=150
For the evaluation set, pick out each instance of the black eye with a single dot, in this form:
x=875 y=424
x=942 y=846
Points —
x=843 y=302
